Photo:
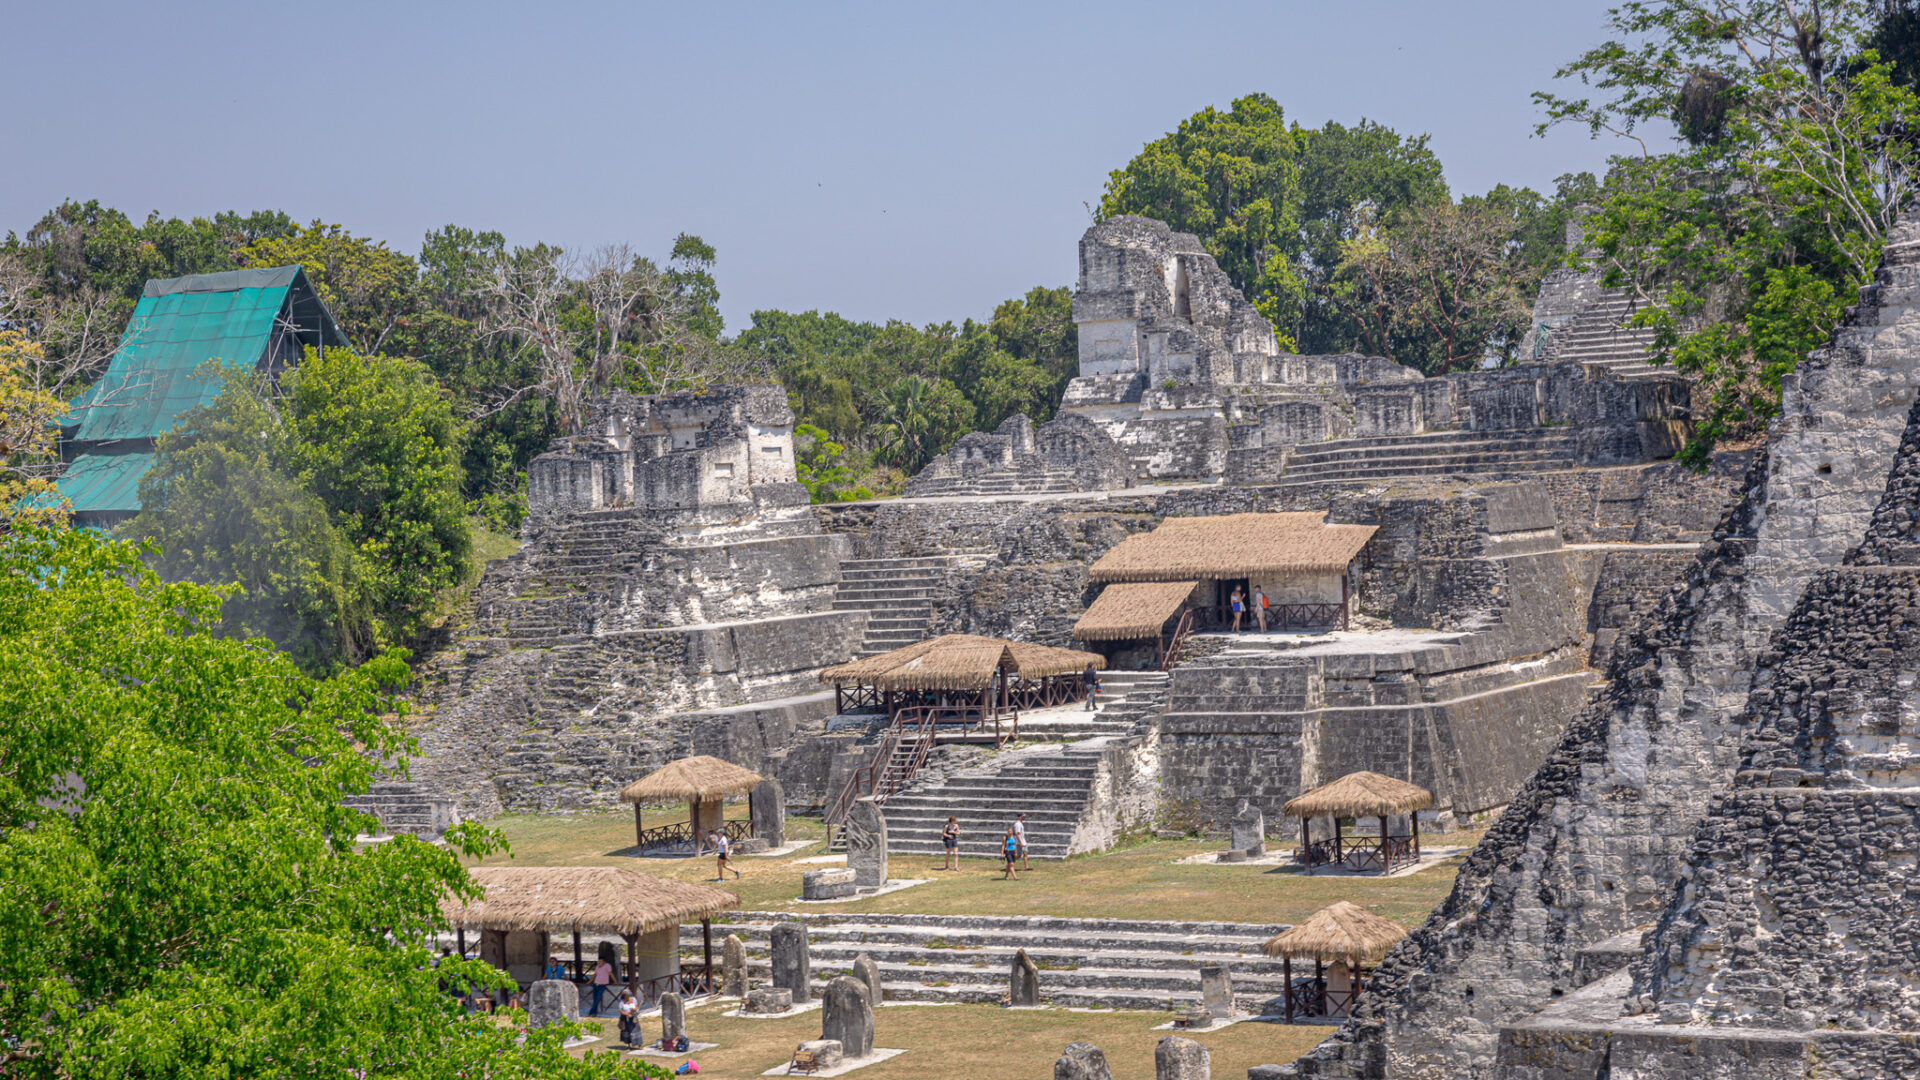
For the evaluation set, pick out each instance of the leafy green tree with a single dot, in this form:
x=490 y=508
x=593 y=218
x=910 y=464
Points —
x=922 y=417
x=370 y=289
x=826 y=468
x=1440 y=287
x=180 y=891
x=1233 y=180
x=1741 y=242
x=223 y=505
x=377 y=441
x=334 y=500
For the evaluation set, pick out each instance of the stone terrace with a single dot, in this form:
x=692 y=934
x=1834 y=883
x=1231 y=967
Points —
x=1085 y=963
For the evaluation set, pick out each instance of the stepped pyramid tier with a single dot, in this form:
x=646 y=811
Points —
x=673 y=595
x=1772 y=680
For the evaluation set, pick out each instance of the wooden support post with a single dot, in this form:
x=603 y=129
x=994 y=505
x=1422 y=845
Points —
x=460 y=933
x=1286 y=975
x=579 y=969
x=639 y=830
x=1413 y=820
x=633 y=963
x=1384 y=864
x=1345 y=602
x=1338 y=855
x=706 y=939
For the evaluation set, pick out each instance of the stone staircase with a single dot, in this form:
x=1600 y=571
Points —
x=1047 y=482
x=405 y=807
x=1439 y=453
x=894 y=594
x=1049 y=784
x=1084 y=963
x=588 y=553
x=1596 y=338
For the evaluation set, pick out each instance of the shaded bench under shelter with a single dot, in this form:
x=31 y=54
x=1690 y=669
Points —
x=1360 y=795
x=965 y=680
x=704 y=783
x=524 y=906
x=1141 y=611
x=1300 y=561
x=1341 y=939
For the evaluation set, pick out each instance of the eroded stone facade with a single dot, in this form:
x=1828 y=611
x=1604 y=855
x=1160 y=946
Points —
x=1596 y=842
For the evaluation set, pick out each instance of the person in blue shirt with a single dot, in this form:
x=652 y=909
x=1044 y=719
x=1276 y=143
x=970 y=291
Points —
x=1010 y=847
x=555 y=969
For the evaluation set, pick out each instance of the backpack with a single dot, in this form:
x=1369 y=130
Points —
x=691 y=1066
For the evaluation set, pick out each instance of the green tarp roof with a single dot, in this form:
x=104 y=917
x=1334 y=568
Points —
x=105 y=483
x=180 y=324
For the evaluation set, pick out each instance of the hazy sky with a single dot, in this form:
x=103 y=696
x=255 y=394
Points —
x=911 y=161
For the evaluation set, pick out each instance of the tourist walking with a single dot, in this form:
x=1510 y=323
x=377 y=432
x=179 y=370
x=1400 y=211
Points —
x=629 y=1017
x=722 y=848
x=1260 y=608
x=1091 y=680
x=602 y=978
x=1010 y=848
x=1020 y=835
x=1239 y=608
x=950 y=838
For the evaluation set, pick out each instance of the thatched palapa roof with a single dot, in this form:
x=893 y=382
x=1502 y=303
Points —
x=959 y=662
x=604 y=899
x=1132 y=609
x=1361 y=794
x=695 y=779
x=1234 y=546
x=1339 y=933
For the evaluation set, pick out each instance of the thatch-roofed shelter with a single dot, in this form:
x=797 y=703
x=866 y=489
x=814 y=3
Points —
x=1358 y=795
x=1135 y=611
x=963 y=678
x=705 y=783
x=1344 y=935
x=1296 y=559
x=523 y=905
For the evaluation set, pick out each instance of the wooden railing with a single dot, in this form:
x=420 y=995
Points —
x=1360 y=853
x=1303 y=616
x=1309 y=997
x=1170 y=650
x=908 y=737
x=680 y=835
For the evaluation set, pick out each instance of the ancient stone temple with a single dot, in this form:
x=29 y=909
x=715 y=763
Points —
x=1709 y=875
x=699 y=457
x=1182 y=380
x=673 y=595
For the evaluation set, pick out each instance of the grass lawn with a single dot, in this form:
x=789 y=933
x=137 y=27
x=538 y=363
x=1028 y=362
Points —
x=1143 y=881
x=946 y=1041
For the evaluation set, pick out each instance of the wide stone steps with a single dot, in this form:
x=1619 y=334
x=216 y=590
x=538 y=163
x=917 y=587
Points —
x=1051 y=788
x=1083 y=963
x=895 y=595
x=1432 y=442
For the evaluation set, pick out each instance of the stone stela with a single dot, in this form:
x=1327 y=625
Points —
x=791 y=968
x=846 y=1016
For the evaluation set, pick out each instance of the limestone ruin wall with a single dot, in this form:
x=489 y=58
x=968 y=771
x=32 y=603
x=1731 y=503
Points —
x=1593 y=844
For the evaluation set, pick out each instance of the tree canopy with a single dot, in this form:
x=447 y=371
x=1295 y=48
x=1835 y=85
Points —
x=180 y=890
x=332 y=498
x=1744 y=241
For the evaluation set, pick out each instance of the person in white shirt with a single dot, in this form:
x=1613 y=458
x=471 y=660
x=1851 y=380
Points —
x=723 y=847
x=1020 y=837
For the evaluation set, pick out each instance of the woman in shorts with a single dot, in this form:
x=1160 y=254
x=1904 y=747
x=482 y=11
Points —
x=950 y=836
x=1010 y=847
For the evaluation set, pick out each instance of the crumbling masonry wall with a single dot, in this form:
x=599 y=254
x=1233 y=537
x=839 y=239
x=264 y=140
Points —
x=1591 y=845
